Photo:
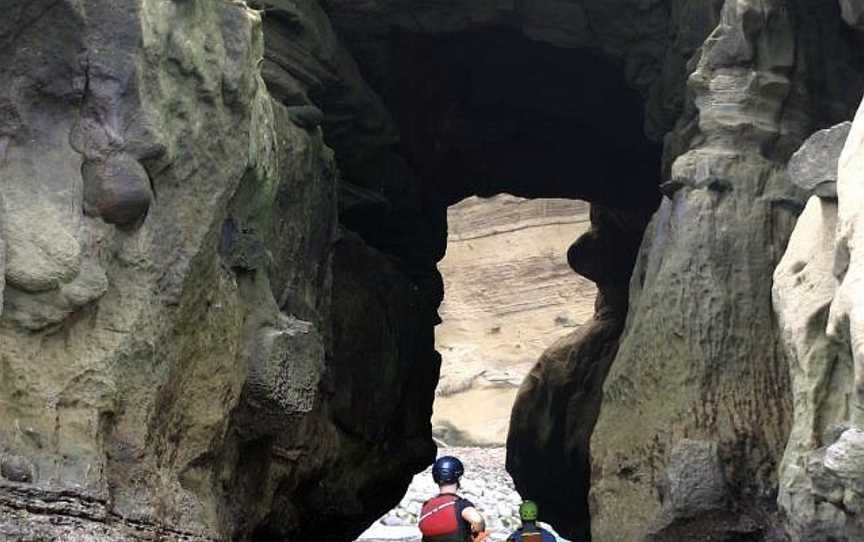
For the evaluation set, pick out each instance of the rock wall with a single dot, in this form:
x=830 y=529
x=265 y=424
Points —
x=509 y=293
x=699 y=389
x=181 y=357
x=816 y=298
x=216 y=327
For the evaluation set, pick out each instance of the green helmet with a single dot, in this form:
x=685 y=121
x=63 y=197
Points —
x=528 y=511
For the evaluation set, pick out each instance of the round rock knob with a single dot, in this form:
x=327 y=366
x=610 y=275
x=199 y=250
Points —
x=116 y=189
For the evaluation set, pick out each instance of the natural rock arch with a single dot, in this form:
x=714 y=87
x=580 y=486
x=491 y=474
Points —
x=197 y=349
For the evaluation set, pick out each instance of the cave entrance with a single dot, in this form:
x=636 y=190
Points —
x=490 y=113
x=508 y=294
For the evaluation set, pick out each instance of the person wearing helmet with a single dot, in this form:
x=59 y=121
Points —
x=530 y=531
x=447 y=517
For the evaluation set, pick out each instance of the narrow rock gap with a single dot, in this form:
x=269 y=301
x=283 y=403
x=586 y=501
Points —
x=489 y=112
x=509 y=295
x=252 y=356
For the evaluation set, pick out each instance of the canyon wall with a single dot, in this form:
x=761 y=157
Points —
x=220 y=224
x=509 y=294
x=697 y=407
x=180 y=357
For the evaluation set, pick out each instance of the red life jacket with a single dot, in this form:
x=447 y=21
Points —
x=441 y=520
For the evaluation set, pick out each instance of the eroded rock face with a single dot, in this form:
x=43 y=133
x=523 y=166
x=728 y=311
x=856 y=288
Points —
x=194 y=345
x=168 y=366
x=559 y=401
x=813 y=167
x=700 y=358
x=815 y=297
x=853 y=13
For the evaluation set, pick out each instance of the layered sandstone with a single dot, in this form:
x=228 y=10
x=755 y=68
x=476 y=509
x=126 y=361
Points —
x=509 y=293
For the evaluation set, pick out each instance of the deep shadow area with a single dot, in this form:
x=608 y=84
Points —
x=491 y=111
x=488 y=111
x=453 y=115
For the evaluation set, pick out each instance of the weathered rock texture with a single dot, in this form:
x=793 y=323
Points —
x=509 y=293
x=813 y=167
x=853 y=13
x=700 y=359
x=817 y=297
x=559 y=401
x=168 y=367
x=193 y=345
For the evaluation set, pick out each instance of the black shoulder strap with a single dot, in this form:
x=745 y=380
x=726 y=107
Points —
x=465 y=527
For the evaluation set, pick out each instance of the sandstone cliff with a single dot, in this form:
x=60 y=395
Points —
x=508 y=294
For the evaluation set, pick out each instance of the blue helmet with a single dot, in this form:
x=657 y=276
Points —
x=447 y=470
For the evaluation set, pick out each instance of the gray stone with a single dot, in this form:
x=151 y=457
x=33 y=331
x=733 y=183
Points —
x=699 y=316
x=286 y=367
x=38 y=259
x=817 y=292
x=814 y=166
x=695 y=480
x=121 y=341
x=165 y=391
x=306 y=116
x=16 y=468
x=117 y=189
x=804 y=287
x=845 y=458
x=853 y=13
x=37 y=312
x=2 y=264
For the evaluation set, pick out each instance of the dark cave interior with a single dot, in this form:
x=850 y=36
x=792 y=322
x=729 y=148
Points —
x=489 y=111
x=480 y=112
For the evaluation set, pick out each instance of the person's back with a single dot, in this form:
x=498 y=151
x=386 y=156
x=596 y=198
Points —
x=448 y=517
x=530 y=531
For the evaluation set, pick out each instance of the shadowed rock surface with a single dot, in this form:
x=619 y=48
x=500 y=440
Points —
x=813 y=167
x=700 y=358
x=169 y=328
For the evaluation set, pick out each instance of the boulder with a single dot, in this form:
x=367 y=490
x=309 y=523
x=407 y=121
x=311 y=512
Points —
x=813 y=167
x=853 y=13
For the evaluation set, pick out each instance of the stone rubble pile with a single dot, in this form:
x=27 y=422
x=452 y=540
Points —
x=486 y=484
